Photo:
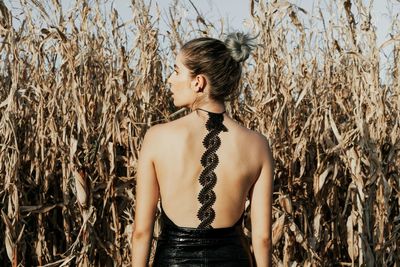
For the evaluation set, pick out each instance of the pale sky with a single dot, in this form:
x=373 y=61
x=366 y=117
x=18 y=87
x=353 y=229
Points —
x=236 y=12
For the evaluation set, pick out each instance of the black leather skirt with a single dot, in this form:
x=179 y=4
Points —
x=186 y=246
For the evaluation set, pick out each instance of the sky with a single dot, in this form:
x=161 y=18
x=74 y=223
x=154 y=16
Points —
x=237 y=12
x=237 y=15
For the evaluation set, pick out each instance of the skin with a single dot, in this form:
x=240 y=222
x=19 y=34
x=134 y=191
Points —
x=169 y=168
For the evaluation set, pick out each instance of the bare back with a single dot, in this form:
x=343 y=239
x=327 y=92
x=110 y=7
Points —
x=177 y=166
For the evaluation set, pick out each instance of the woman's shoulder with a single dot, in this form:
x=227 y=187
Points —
x=256 y=142
x=160 y=130
x=249 y=135
x=259 y=138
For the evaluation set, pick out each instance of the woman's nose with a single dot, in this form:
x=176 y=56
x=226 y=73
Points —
x=169 y=78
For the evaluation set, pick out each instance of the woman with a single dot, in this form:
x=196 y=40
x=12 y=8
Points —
x=203 y=167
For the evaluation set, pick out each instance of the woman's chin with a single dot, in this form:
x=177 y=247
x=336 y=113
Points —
x=178 y=104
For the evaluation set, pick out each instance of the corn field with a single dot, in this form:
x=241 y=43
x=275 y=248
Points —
x=80 y=87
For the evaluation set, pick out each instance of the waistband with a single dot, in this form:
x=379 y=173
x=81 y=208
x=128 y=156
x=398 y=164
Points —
x=168 y=227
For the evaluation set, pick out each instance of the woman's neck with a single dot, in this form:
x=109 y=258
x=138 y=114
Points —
x=215 y=107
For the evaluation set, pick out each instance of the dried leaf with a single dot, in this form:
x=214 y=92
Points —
x=82 y=190
x=277 y=229
x=319 y=180
x=352 y=239
x=286 y=203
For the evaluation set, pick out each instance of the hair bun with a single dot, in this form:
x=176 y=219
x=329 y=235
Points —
x=239 y=45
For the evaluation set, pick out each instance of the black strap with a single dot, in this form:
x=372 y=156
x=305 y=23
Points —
x=209 y=161
x=210 y=112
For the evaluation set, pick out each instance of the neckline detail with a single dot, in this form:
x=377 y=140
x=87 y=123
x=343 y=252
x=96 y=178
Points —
x=210 y=112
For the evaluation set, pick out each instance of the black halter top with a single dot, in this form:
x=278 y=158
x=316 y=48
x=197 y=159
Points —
x=209 y=161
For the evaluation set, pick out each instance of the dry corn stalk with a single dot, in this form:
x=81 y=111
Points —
x=81 y=87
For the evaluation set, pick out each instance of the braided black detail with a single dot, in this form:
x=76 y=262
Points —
x=209 y=161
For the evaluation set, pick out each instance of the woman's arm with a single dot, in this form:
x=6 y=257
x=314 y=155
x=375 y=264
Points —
x=261 y=209
x=147 y=194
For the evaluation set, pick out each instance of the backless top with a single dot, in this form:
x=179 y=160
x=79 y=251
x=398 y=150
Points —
x=209 y=161
x=204 y=245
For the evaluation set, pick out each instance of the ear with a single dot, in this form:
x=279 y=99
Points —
x=200 y=83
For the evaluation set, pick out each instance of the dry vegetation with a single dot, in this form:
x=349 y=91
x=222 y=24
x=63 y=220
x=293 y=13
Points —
x=78 y=90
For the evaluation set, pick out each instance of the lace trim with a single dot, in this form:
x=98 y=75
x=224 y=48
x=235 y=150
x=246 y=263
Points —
x=209 y=161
